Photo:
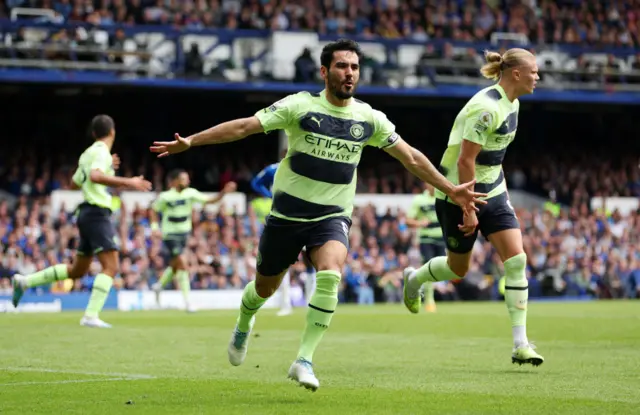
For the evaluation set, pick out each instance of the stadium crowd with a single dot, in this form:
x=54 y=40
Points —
x=582 y=22
x=574 y=253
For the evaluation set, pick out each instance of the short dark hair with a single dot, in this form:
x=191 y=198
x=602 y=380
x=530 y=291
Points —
x=101 y=126
x=341 y=44
x=173 y=174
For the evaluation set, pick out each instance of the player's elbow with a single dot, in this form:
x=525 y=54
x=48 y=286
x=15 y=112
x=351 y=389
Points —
x=96 y=176
x=466 y=163
x=411 y=159
x=248 y=126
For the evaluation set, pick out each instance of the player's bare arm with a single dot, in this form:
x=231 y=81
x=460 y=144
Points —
x=228 y=188
x=133 y=183
x=467 y=172
x=222 y=133
x=420 y=166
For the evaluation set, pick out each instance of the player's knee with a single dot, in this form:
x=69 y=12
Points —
x=267 y=286
x=76 y=271
x=514 y=267
x=460 y=268
x=110 y=263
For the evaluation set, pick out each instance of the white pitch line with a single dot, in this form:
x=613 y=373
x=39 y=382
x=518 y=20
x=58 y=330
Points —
x=60 y=382
x=120 y=376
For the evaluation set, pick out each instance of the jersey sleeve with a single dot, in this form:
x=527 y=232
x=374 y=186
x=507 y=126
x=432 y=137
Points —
x=384 y=135
x=412 y=213
x=197 y=196
x=479 y=123
x=101 y=160
x=159 y=204
x=79 y=176
x=279 y=115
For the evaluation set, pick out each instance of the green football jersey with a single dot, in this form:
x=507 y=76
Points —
x=96 y=157
x=423 y=206
x=488 y=119
x=176 y=208
x=317 y=177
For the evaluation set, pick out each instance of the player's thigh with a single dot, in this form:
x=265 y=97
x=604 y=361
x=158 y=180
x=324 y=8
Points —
x=175 y=248
x=500 y=225
x=279 y=246
x=97 y=231
x=327 y=243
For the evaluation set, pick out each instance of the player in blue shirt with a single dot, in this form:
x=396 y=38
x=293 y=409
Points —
x=264 y=180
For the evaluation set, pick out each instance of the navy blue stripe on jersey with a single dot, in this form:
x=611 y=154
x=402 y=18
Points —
x=427 y=208
x=177 y=219
x=176 y=203
x=509 y=125
x=349 y=130
x=487 y=187
x=294 y=207
x=491 y=157
x=494 y=94
x=479 y=187
x=433 y=225
x=321 y=170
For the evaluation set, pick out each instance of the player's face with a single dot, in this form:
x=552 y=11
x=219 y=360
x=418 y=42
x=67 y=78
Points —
x=183 y=181
x=342 y=77
x=528 y=74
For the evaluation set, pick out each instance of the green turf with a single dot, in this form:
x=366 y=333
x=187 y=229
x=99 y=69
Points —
x=374 y=360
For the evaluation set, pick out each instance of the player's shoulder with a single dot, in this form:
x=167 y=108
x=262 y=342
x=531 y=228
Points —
x=366 y=110
x=486 y=99
x=302 y=96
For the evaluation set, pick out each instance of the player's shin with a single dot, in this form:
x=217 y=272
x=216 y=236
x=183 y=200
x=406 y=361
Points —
x=516 y=295
x=166 y=277
x=99 y=293
x=437 y=269
x=320 y=312
x=47 y=276
x=251 y=303
x=185 y=285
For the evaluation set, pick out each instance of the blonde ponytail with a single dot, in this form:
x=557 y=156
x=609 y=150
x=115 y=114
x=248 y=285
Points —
x=497 y=63
x=493 y=67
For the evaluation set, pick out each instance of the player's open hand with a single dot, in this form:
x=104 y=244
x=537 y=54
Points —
x=165 y=148
x=229 y=187
x=469 y=223
x=139 y=183
x=464 y=196
x=115 y=161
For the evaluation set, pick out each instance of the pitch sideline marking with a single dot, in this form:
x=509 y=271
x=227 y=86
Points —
x=108 y=376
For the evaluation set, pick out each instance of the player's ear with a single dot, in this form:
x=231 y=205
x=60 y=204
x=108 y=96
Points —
x=323 y=72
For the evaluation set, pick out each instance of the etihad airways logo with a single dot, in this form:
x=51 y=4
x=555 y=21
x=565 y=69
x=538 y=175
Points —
x=332 y=149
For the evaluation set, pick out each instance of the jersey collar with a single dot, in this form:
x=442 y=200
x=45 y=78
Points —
x=326 y=103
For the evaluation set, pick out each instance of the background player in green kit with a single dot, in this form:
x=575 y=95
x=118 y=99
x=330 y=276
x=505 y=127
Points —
x=97 y=233
x=477 y=145
x=313 y=191
x=422 y=216
x=176 y=206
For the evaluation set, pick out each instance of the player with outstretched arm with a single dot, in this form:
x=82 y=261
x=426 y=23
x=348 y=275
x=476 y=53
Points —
x=314 y=189
x=176 y=207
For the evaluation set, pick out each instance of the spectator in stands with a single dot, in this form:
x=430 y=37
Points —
x=194 y=64
x=305 y=67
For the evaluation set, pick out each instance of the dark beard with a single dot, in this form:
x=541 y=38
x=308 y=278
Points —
x=335 y=88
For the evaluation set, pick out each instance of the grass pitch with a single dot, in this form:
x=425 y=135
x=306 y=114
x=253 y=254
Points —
x=373 y=360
